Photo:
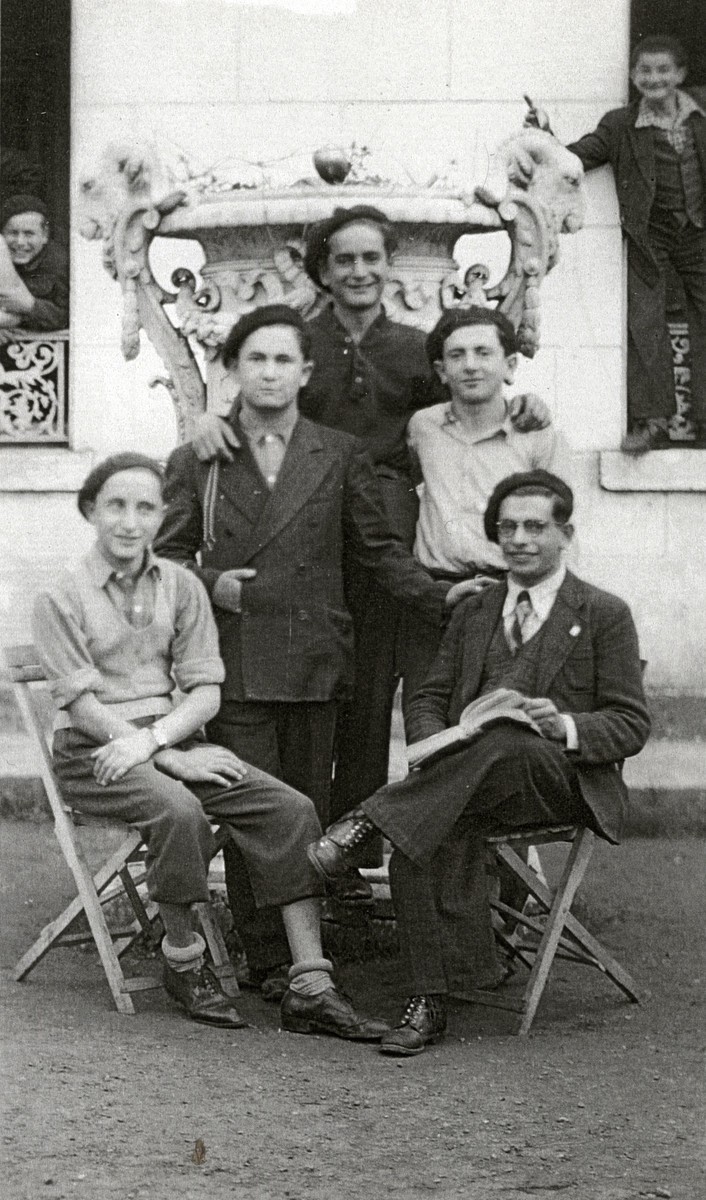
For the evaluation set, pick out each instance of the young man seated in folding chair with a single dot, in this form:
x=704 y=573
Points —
x=567 y=653
x=117 y=637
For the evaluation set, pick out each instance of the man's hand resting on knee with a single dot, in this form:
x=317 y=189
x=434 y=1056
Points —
x=202 y=764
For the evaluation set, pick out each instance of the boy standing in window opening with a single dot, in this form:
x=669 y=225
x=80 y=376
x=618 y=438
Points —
x=657 y=149
x=34 y=271
x=117 y=637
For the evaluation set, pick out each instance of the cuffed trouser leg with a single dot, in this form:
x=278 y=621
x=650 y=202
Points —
x=177 y=832
x=446 y=939
x=293 y=742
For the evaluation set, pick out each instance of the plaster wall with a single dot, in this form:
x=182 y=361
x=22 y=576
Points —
x=421 y=82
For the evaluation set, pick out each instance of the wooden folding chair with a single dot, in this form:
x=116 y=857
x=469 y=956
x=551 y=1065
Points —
x=94 y=890
x=556 y=929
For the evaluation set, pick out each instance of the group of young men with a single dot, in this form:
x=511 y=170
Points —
x=374 y=505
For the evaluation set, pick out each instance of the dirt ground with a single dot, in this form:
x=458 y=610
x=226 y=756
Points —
x=604 y=1101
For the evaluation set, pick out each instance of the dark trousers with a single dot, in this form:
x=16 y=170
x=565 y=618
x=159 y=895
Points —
x=292 y=742
x=650 y=366
x=437 y=820
x=269 y=823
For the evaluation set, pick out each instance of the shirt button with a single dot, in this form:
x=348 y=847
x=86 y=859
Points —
x=348 y=341
x=359 y=378
x=269 y=438
x=303 y=614
x=271 y=478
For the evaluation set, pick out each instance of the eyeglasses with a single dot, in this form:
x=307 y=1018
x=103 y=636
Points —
x=534 y=529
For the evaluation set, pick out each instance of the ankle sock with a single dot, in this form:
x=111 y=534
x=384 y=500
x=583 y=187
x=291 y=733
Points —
x=311 y=978
x=185 y=958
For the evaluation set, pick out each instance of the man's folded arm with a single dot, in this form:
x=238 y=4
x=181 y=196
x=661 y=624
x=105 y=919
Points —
x=620 y=724
x=181 y=535
x=428 y=710
x=378 y=548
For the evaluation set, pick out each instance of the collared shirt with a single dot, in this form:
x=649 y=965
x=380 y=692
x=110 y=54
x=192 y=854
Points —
x=542 y=597
x=369 y=388
x=86 y=644
x=672 y=126
x=460 y=471
x=268 y=442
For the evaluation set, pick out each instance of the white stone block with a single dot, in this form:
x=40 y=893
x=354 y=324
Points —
x=589 y=390
x=146 y=51
x=582 y=297
x=395 y=50
x=548 y=48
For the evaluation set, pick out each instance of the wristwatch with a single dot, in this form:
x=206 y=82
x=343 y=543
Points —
x=160 y=739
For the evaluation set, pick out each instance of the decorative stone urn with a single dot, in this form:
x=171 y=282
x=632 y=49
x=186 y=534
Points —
x=253 y=241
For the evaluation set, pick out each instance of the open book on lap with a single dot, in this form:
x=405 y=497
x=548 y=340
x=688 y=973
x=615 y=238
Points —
x=503 y=704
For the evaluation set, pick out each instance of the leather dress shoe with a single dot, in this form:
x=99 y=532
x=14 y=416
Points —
x=200 y=994
x=332 y=1013
x=423 y=1021
x=334 y=853
x=352 y=888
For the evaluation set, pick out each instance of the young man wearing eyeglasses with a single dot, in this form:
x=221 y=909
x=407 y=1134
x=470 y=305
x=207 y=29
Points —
x=568 y=655
x=462 y=448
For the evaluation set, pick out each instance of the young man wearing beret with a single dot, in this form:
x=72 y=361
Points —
x=566 y=655
x=34 y=271
x=269 y=529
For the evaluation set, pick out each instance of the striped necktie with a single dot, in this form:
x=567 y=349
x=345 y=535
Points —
x=523 y=609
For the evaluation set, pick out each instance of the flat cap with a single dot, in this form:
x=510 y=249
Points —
x=524 y=479
x=268 y=314
x=128 y=460
x=21 y=203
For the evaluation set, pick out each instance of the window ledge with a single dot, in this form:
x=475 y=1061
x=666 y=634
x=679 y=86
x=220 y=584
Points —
x=43 y=468
x=657 y=471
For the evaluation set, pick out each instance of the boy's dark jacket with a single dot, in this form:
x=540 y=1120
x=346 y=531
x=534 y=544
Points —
x=630 y=152
x=293 y=639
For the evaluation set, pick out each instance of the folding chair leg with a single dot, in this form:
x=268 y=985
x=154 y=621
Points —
x=576 y=863
x=222 y=965
x=96 y=920
x=53 y=931
x=605 y=961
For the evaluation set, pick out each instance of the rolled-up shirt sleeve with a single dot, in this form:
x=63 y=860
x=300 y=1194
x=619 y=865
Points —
x=63 y=650
x=196 y=659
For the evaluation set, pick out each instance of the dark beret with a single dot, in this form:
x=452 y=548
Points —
x=21 y=203
x=129 y=460
x=269 y=314
x=524 y=479
x=319 y=235
x=457 y=318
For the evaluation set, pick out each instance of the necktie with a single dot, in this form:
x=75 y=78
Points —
x=523 y=608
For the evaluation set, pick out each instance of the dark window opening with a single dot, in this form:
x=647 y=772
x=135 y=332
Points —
x=35 y=134
x=685 y=20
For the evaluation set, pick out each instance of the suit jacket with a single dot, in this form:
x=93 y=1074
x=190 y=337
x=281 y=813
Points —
x=630 y=152
x=293 y=639
x=590 y=668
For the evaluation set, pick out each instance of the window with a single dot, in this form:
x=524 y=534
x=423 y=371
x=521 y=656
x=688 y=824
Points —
x=34 y=161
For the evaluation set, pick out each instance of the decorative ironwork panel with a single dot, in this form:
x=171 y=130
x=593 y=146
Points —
x=33 y=389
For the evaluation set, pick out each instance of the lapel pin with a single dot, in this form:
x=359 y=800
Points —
x=574 y=631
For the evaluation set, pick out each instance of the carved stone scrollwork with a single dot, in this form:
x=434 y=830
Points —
x=33 y=389
x=253 y=243
x=123 y=204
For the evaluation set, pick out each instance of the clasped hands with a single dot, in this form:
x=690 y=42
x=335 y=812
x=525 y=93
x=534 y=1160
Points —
x=546 y=716
x=200 y=764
